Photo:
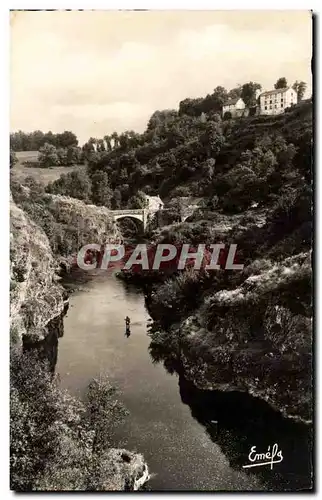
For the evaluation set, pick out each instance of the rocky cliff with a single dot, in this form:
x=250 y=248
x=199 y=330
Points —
x=37 y=306
x=255 y=338
x=67 y=222
x=36 y=298
x=260 y=338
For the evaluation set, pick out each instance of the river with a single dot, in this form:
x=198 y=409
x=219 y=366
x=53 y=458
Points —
x=170 y=422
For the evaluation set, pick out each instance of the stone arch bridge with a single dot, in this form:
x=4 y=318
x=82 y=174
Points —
x=145 y=215
x=142 y=214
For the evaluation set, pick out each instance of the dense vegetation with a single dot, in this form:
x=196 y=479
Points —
x=233 y=163
x=251 y=328
x=50 y=156
x=13 y=158
x=33 y=141
x=59 y=443
x=68 y=223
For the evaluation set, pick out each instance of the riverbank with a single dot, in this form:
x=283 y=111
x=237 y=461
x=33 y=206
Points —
x=191 y=439
x=57 y=441
x=248 y=330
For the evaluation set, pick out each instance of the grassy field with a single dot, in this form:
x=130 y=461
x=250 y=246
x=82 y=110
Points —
x=43 y=175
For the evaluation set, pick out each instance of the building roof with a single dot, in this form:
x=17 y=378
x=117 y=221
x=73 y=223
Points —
x=154 y=202
x=275 y=91
x=231 y=101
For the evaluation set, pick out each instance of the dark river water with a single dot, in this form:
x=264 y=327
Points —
x=170 y=422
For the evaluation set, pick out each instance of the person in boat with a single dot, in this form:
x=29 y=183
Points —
x=127 y=326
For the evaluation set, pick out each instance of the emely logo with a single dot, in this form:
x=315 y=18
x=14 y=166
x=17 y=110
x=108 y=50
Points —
x=162 y=257
x=270 y=457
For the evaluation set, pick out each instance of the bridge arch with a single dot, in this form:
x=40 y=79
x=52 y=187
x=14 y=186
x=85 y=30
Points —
x=131 y=216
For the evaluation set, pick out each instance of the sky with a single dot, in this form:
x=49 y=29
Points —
x=95 y=72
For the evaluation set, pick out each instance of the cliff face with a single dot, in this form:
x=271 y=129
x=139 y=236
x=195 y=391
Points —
x=36 y=298
x=47 y=230
x=37 y=307
x=256 y=338
x=92 y=224
x=68 y=223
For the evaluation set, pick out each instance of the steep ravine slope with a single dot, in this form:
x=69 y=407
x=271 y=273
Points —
x=255 y=337
x=37 y=310
x=36 y=298
x=259 y=336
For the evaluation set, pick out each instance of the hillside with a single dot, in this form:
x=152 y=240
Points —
x=67 y=222
x=250 y=330
x=36 y=298
x=26 y=166
x=233 y=163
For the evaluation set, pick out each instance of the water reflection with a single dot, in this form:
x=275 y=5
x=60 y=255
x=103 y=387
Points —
x=237 y=421
x=185 y=434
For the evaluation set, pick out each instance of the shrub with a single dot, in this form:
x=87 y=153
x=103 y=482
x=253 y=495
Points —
x=227 y=115
x=13 y=158
x=56 y=441
x=75 y=184
x=48 y=156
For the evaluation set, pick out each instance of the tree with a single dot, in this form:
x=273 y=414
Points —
x=66 y=139
x=33 y=141
x=16 y=141
x=62 y=155
x=241 y=186
x=300 y=88
x=47 y=156
x=75 y=184
x=56 y=441
x=212 y=139
x=100 y=145
x=227 y=115
x=161 y=118
x=139 y=200
x=173 y=212
x=107 y=140
x=248 y=93
x=116 y=200
x=104 y=412
x=115 y=139
x=50 y=138
x=220 y=93
x=13 y=158
x=235 y=92
x=101 y=191
x=73 y=155
x=281 y=83
x=37 y=139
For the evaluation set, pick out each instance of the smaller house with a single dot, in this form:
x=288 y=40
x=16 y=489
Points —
x=154 y=202
x=234 y=106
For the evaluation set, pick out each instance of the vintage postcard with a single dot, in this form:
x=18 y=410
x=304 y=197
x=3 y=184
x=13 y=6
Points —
x=160 y=250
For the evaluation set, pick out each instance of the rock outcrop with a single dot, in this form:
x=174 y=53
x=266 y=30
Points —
x=37 y=306
x=36 y=297
x=256 y=338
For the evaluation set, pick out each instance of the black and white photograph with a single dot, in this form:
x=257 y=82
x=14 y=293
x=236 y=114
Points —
x=161 y=234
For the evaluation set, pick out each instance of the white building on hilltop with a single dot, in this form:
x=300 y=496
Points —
x=275 y=101
x=233 y=106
